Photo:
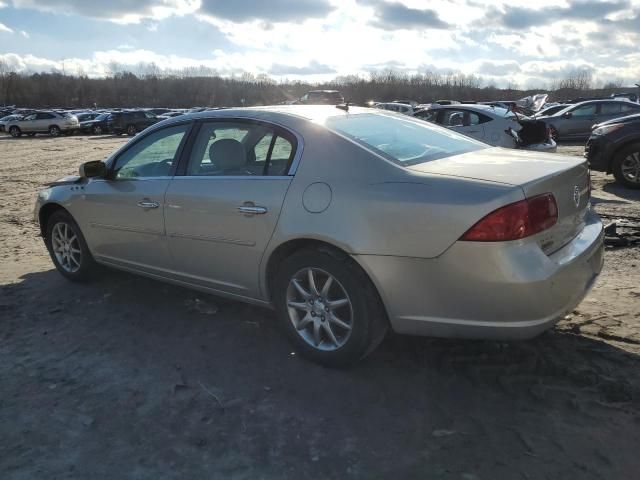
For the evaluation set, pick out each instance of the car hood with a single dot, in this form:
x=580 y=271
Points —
x=500 y=165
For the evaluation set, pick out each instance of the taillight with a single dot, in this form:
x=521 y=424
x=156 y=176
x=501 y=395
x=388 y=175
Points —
x=517 y=220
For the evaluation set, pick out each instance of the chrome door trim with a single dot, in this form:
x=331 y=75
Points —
x=126 y=229
x=206 y=238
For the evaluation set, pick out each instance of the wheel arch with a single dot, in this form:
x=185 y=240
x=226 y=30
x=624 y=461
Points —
x=291 y=246
x=626 y=144
x=45 y=213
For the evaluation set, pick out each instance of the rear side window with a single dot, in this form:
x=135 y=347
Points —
x=240 y=149
x=609 y=108
x=404 y=141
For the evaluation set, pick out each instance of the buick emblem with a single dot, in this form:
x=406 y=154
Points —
x=576 y=196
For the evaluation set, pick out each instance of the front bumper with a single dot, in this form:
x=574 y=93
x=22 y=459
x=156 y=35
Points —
x=549 y=146
x=507 y=290
x=599 y=152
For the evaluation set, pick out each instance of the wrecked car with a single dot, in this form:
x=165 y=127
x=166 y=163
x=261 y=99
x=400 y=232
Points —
x=493 y=125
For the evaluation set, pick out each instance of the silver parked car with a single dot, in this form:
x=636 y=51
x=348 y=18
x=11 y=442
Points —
x=347 y=221
x=575 y=121
x=53 y=123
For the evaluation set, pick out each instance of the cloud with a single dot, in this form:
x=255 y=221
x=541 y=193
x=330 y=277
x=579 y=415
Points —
x=4 y=28
x=517 y=18
x=24 y=34
x=395 y=15
x=313 y=68
x=124 y=11
x=268 y=11
x=498 y=68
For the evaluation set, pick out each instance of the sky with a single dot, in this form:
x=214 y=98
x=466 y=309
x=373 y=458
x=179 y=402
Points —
x=525 y=44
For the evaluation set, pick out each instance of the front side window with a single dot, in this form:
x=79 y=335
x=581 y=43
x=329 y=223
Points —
x=585 y=110
x=152 y=156
x=402 y=140
x=239 y=149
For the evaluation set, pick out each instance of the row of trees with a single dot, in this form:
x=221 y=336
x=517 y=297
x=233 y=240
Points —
x=150 y=87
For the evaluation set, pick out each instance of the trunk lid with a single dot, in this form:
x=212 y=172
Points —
x=567 y=178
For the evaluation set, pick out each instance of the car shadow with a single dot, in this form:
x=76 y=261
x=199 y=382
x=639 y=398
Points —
x=153 y=364
x=621 y=191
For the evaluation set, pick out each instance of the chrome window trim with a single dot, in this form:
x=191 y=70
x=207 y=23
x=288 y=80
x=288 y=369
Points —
x=232 y=177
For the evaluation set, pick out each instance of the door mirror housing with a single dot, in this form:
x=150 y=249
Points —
x=93 y=169
x=567 y=115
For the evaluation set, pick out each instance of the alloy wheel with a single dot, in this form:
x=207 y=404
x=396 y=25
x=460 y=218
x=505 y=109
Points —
x=131 y=130
x=97 y=129
x=54 y=131
x=66 y=247
x=15 y=132
x=319 y=309
x=630 y=167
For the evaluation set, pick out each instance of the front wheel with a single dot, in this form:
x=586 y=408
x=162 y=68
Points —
x=328 y=307
x=626 y=166
x=68 y=248
x=15 y=132
x=97 y=130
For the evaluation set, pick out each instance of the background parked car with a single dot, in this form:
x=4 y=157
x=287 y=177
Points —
x=614 y=147
x=43 y=121
x=322 y=97
x=547 y=111
x=132 y=121
x=7 y=119
x=396 y=107
x=99 y=125
x=172 y=114
x=85 y=116
x=493 y=125
x=575 y=121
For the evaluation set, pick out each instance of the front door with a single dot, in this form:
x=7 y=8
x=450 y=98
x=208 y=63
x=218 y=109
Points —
x=221 y=213
x=124 y=214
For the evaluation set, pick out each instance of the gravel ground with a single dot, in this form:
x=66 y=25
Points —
x=130 y=378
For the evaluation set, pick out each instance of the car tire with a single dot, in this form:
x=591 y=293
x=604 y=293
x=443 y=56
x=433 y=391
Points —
x=333 y=325
x=553 y=133
x=97 y=130
x=626 y=166
x=15 y=132
x=54 y=131
x=68 y=248
x=131 y=130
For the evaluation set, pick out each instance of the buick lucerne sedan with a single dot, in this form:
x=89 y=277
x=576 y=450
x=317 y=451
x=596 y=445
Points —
x=347 y=221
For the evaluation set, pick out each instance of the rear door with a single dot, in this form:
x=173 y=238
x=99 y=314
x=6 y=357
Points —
x=222 y=208
x=28 y=123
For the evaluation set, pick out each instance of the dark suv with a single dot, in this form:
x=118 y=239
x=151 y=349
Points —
x=614 y=147
x=132 y=121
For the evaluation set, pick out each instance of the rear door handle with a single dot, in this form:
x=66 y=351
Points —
x=252 y=210
x=146 y=203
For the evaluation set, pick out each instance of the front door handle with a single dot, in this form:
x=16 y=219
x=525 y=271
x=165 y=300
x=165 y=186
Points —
x=146 y=203
x=252 y=210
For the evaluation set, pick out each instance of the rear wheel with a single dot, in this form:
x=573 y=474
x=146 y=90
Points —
x=328 y=307
x=15 y=132
x=68 y=248
x=54 y=131
x=626 y=166
x=131 y=130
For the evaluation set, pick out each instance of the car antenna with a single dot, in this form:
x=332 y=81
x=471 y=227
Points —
x=343 y=106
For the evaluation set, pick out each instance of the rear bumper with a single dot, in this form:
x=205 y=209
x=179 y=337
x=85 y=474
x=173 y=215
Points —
x=509 y=290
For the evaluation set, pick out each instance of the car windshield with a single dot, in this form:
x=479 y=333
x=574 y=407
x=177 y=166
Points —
x=404 y=141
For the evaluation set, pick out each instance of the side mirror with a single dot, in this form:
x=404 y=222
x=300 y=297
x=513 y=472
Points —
x=568 y=115
x=93 y=169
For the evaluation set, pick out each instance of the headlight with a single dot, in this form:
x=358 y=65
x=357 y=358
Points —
x=603 y=130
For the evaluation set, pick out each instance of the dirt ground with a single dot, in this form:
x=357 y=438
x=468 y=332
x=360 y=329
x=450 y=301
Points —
x=128 y=378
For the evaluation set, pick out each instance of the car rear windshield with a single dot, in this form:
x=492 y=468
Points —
x=403 y=140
